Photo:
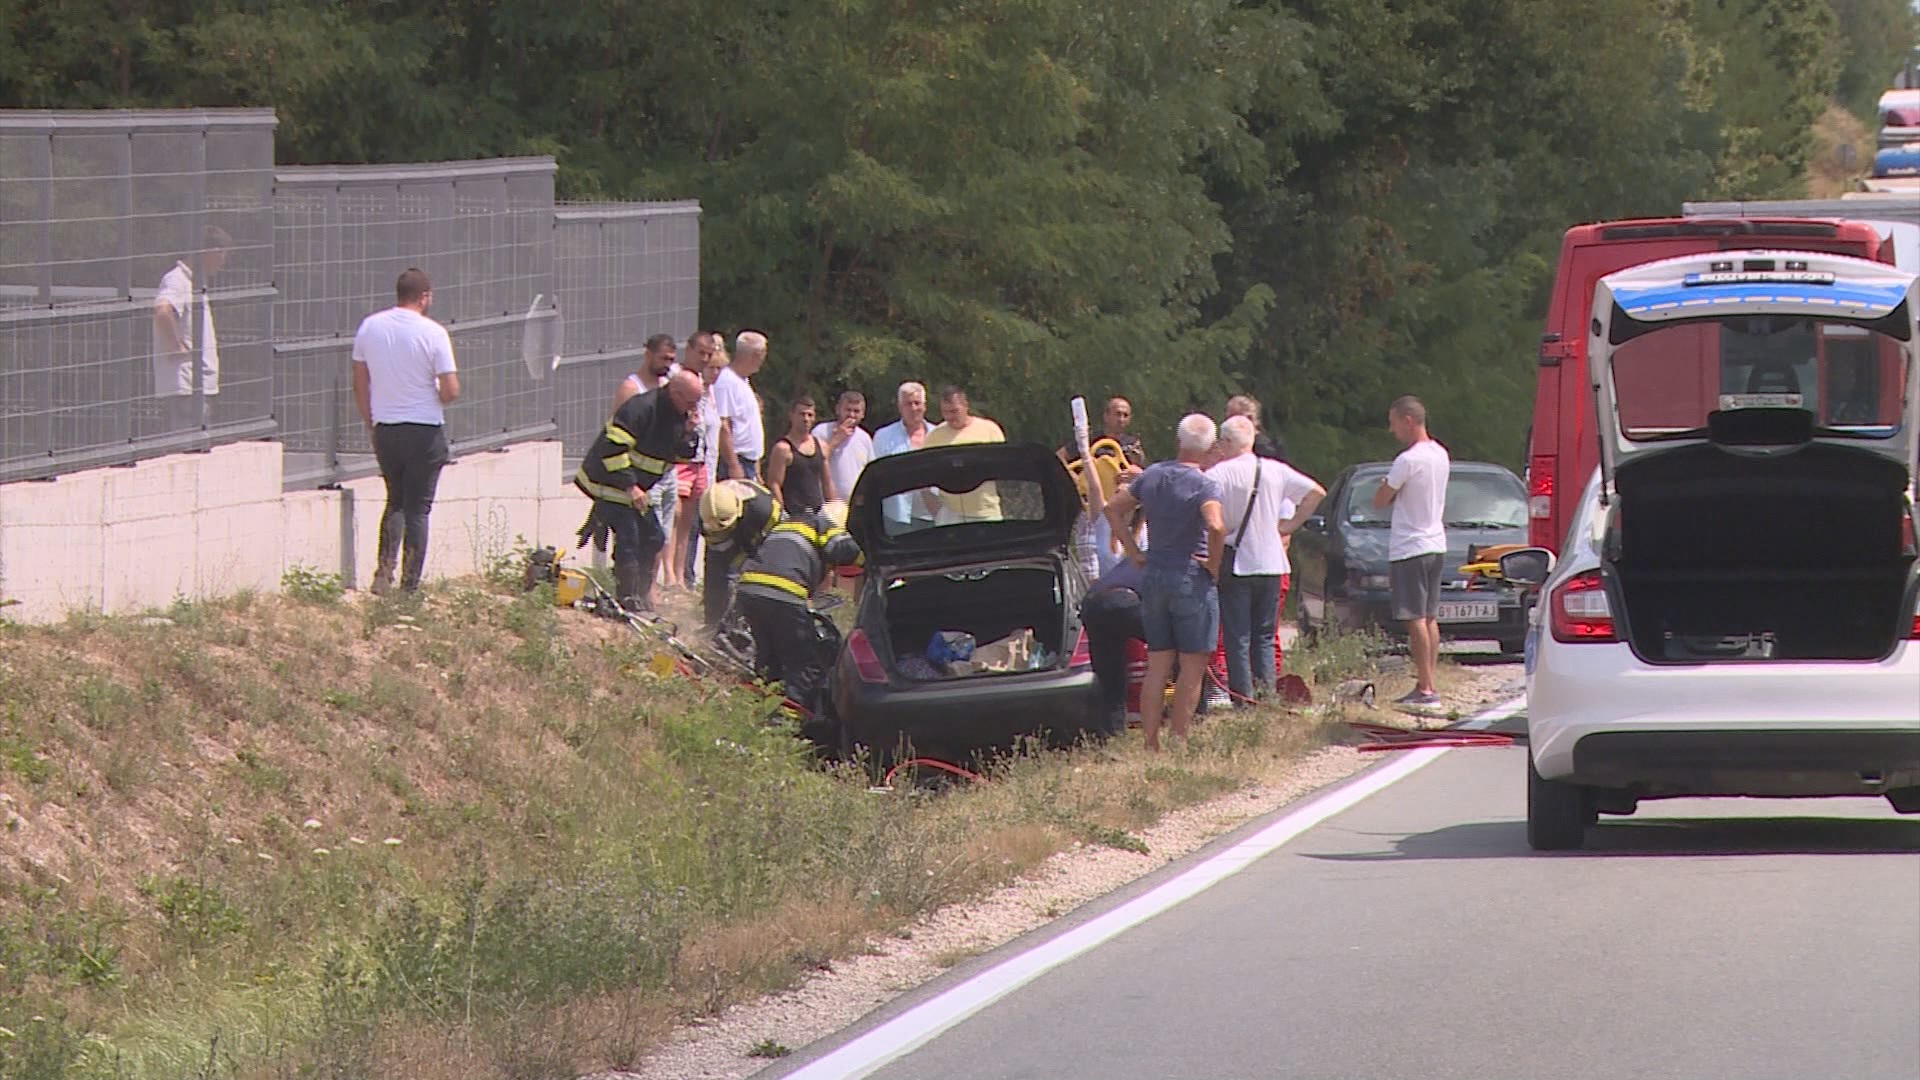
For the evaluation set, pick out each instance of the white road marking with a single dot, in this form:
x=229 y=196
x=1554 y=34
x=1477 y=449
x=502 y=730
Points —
x=920 y=1024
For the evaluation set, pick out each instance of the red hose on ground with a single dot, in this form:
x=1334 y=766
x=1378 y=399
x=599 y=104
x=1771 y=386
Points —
x=934 y=763
x=1387 y=737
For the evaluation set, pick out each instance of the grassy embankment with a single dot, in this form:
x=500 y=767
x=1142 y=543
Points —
x=473 y=836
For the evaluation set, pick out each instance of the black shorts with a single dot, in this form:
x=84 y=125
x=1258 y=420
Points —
x=1415 y=586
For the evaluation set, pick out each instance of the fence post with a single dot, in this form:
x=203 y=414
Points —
x=196 y=242
x=135 y=385
x=331 y=403
x=45 y=284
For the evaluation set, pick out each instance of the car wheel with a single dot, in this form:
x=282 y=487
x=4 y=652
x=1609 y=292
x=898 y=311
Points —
x=1558 y=813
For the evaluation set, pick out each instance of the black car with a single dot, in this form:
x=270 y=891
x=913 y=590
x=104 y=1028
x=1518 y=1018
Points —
x=994 y=564
x=1339 y=556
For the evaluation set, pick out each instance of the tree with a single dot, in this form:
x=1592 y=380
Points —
x=1327 y=202
x=1876 y=36
x=1778 y=66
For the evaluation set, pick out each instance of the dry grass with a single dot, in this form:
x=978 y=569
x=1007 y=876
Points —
x=198 y=879
x=1843 y=153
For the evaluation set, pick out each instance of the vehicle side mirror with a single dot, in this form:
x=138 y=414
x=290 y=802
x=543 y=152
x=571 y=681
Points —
x=1316 y=523
x=1527 y=566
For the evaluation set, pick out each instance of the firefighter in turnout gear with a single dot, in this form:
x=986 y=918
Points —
x=647 y=435
x=735 y=516
x=775 y=583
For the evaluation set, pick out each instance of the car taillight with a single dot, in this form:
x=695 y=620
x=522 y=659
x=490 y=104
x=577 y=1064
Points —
x=1082 y=655
x=1914 y=632
x=1540 y=502
x=865 y=660
x=1540 y=487
x=1906 y=534
x=1579 y=610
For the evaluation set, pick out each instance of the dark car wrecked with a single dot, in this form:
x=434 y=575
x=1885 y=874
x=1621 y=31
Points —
x=1340 y=556
x=966 y=636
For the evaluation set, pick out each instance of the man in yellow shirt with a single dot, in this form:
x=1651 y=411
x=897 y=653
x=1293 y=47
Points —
x=959 y=426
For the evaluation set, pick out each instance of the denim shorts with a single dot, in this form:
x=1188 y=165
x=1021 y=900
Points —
x=1179 y=611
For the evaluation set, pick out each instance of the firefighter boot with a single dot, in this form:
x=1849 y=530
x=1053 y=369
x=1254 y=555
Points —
x=627 y=582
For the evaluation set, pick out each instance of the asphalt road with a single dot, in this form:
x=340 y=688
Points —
x=1415 y=935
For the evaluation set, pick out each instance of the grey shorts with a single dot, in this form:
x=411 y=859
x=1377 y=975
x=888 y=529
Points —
x=1414 y=585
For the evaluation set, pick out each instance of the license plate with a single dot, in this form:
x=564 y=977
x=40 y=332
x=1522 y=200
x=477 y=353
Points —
x=1469 y=610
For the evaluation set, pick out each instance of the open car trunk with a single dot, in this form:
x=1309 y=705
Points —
x=987 y=602
x=1798 y=556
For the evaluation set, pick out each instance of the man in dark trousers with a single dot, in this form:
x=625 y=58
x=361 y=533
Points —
x=1110 y=614
x=735 y=516
x=403 y=379
x=792 y=563
x=648 y=434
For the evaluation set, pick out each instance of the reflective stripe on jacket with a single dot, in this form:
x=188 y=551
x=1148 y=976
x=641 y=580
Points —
x=794 y=558
x=644 y=437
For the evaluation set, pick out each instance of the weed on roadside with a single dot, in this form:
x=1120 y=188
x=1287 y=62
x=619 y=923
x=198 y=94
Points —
x=312 y=586
x=1332 y=657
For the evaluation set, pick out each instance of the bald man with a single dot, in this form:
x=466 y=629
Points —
x=648 y=435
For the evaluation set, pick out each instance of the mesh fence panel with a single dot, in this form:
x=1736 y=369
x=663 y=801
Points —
x=136 y=284
x=108 y=290
x=625 y=271
x=483 y=233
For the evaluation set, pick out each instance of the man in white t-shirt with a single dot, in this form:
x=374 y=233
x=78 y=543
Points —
x=907 y=434
x=1262 y=502
x=1416 y=488
x=849 y=447
x=403 y=379
x=174 y=333
x=743 y=437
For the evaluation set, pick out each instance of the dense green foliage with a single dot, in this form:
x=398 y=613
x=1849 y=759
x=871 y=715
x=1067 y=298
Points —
x=1327 y=202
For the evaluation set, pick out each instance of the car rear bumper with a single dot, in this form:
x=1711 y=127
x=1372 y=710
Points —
x=952 y=720
x=1597 y=715
x=1777 y=763
x=1361 y=610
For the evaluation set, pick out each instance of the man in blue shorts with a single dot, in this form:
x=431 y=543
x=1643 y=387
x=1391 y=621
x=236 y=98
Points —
x=1179 y=608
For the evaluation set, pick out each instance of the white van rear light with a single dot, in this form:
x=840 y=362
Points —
x=1579 y=611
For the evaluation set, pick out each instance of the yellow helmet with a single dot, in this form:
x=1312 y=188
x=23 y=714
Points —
x=836 y=513
x=720 y=507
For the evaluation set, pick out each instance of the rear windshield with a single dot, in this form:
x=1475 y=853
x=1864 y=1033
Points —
x=932 y=510
x=1669 y=380
x=1475 y=500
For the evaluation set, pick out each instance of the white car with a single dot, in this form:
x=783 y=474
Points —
x=1736 y=608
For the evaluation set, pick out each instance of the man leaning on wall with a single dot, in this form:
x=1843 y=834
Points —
x=176 y=331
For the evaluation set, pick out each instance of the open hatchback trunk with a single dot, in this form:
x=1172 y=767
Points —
x=1757 y=420
x=987 y=560
x=988 y=604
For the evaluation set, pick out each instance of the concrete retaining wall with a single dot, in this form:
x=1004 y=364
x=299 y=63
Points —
x=197 y=526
